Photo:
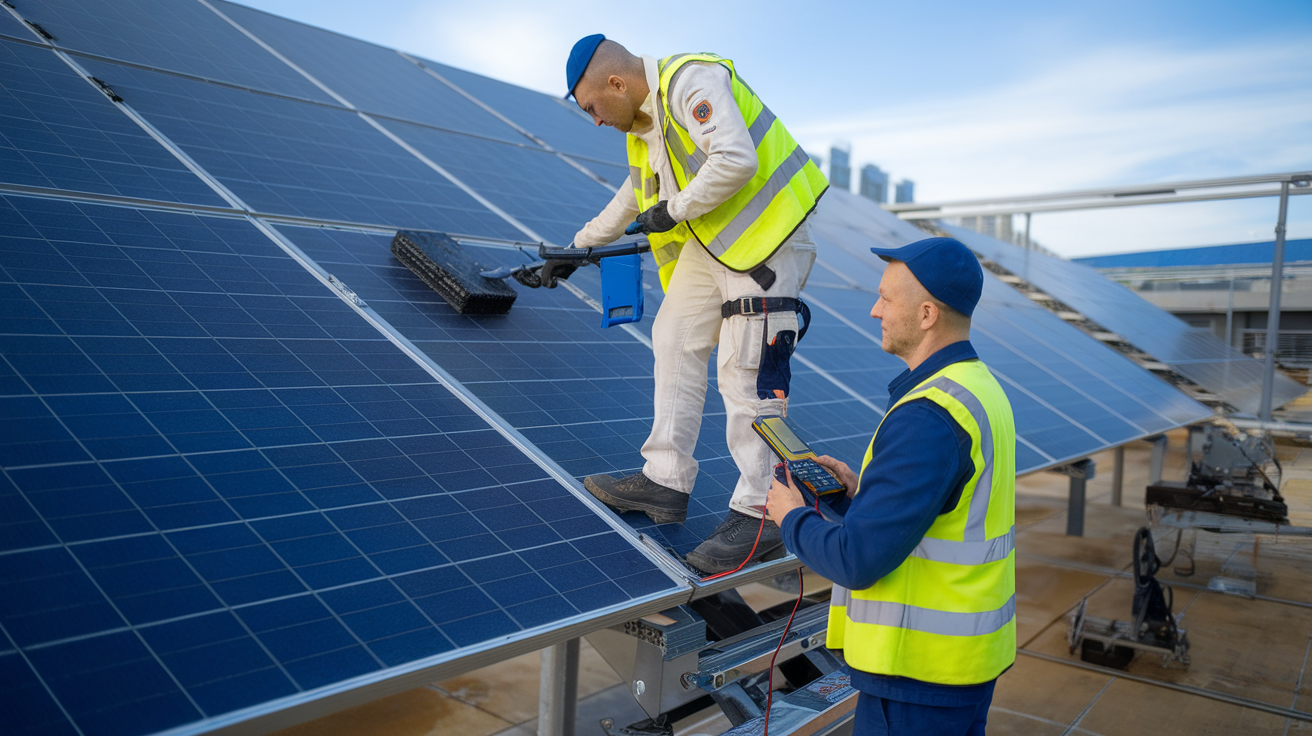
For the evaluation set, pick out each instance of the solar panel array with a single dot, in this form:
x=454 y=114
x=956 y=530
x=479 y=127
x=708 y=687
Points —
x=1195 y=353
x=230 y=490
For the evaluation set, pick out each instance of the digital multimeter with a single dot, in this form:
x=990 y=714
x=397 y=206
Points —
x=807 y=473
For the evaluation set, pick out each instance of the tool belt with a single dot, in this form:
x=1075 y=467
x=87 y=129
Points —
x=767 y=304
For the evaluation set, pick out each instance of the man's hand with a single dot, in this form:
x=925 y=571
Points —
x=783 y=498
x=840 y=469
x=655 y=220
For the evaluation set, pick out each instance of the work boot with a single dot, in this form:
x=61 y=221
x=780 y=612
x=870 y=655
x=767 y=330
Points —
x=732 y=541
x=637 y=492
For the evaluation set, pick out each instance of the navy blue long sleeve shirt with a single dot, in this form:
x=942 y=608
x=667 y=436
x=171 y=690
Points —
x=920 y=464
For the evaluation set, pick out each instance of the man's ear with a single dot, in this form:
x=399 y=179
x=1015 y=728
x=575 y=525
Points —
x=617 y=83
x=929 y=315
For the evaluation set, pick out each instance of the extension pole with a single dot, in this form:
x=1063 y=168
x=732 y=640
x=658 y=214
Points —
x=1273 y=312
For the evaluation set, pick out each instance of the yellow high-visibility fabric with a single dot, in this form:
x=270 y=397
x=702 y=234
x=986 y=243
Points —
x=947 y=614
x=746 y=229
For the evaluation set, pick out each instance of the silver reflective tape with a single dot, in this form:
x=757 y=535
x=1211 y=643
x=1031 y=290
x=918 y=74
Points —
x=979 y=501
x=672 y=60
x=692 y=161
x=759 y=202
x=760 y=126
x=635 y=177
x=966 y=553
x=839 y=596
x=930 y=621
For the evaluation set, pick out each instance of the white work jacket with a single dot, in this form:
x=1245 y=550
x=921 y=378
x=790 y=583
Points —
x=731 y=159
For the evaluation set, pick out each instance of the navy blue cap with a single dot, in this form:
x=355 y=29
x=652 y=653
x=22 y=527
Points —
x=579 y=56
x=945 y=267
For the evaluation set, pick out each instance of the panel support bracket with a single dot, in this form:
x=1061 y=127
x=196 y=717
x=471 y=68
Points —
x=558 y=695
x=1080 y=472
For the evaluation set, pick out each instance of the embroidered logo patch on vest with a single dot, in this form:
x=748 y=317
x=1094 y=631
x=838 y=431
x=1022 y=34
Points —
x=702 y=111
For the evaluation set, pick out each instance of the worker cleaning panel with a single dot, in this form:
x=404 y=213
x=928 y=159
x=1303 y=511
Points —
x=722 y=192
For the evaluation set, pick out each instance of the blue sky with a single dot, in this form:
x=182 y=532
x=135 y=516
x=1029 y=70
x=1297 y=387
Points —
x=967 y=99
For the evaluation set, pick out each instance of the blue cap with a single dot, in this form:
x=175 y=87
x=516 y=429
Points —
x=579 y=56
x=945 y=267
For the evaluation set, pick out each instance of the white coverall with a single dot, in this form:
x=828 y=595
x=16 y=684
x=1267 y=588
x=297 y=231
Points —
x=688 y=325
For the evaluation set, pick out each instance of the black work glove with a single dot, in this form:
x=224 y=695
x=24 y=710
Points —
x=655 y=220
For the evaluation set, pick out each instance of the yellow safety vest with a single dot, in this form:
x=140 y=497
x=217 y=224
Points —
x=947 y=614
x=746 y=229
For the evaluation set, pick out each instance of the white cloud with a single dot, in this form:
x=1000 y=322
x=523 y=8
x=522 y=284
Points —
x=1121 y=117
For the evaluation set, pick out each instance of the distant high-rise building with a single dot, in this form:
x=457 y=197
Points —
x=905 y=191
x=874 y=183
x=840 y=171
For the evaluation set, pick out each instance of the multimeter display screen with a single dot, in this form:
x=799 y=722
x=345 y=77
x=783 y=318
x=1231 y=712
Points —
x=786 y=437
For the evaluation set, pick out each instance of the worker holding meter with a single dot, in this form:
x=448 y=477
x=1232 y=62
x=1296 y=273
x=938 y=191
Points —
x=922 y=560
x=722 y=191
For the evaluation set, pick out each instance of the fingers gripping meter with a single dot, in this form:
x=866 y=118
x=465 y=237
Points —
x=807 y=473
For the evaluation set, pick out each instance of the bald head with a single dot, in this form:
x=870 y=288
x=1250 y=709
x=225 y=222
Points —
x=613 y=88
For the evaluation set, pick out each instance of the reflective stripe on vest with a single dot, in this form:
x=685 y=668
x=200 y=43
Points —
x=945 y=623
x=746 y=229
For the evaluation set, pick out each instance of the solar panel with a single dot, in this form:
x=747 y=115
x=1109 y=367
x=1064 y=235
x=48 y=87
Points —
x=1194 y=353
x=59 y=132
x=230 y=488
x=536 y=187
x=295 y=158
x=371 y=77
x=559 y=122
x=184 y=37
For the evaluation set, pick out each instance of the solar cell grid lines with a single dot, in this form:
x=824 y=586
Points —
x=180 y=36
x=555 y=121
x=581 y=394
x=370 y=77
x=288 y=157
x=230 y=488
x=58 y=131
x=536 y=187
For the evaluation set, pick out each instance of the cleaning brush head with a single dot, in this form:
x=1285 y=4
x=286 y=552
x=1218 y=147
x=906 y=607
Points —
x=440 y=262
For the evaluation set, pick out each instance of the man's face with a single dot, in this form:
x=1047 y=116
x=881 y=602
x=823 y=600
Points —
x=898 y=309
x=607 y=101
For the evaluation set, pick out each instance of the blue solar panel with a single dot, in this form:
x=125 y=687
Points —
x=58 y=131
x=230 y=488
x=583 y=395
x=558 y=122
x=1196 y=354
x=372 y=78
x=184 y=37
x=580 y=393
x=294 y=158
x=536 y=187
